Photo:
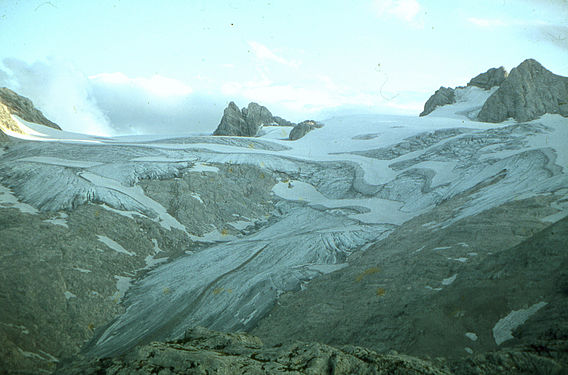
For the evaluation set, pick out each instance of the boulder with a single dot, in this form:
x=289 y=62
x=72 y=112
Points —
x=442 y=96
x=248 y=121
x=303 y=128
x=491 y=78
x=527 y=93
x=23 y=108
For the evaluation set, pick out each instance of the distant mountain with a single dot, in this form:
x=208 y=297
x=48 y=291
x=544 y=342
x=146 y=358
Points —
x=13 y=104
x=248 y=121
x=527 y=93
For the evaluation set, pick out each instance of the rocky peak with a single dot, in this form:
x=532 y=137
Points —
x=527 y=93
x=248 y=121
x=491 y=78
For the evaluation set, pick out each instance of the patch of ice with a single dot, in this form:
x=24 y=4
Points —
x=8 y=199
x=472 y=336
x=380 y=211
x=122 y=286
x=60 y=220
x=23 y=329
x=449 y=280
x=468 y=350
x=203 y=167
x=434 y=289
x=129 y=214
x=114 y=245
x=82 y=270
x=60 y=162
x=196 y=196
x=503 y=329
x=441 y=248
x=69 y=295
x=135 y=192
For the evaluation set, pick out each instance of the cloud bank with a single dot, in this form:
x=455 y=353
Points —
x=110 y=104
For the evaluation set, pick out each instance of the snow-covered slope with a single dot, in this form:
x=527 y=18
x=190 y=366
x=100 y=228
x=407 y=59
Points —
x=332 y=193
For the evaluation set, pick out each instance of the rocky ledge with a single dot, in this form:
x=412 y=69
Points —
x=207 y=352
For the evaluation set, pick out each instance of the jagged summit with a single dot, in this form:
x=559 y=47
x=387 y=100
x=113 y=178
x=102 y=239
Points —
x=248 y=121
x=527 y=93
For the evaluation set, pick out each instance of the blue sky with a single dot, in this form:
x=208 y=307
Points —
x=139 y=66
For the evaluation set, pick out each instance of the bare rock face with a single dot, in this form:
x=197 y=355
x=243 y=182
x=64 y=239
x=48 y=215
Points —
x=206 y=352
x=527 y=93
x=491 y=78
x=248 y=121
x=303 y=128
x=442 y=96
x=23 y=108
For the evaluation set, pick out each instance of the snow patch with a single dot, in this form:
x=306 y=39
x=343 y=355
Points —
x=503 y=329
x=114 y=245
x=8 y=199
x=449 y=280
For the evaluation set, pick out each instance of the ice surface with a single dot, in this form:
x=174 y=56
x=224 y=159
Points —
x=346 y=185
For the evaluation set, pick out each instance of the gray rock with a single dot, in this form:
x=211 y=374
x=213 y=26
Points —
x=491 y=78
x=234 y=123
x=527 y=93
x=442 y=96
x=248 y=121
x=303 y=128
x=282 y=122
x=202 y=351
x=24 y=108
x=206 y=352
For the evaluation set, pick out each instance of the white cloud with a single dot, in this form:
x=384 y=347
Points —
x=406 y=10
x=61 y=92
x=311 y=99
x=486 y=22
x=156 y=84
x=262 y=52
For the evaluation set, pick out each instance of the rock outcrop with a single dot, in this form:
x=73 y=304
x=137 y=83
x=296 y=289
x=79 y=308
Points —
x=442 y=96
x=248 y=121
x=491 y=78
x=23 y=108
x=303 y=128
x=527 y=93
x=207 y=352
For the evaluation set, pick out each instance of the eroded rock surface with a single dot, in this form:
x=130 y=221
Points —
x=527 y=93
x=206 y=352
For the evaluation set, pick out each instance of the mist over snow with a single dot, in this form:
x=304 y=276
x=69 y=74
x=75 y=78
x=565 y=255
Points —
x=110 y=104
x=60 y=91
